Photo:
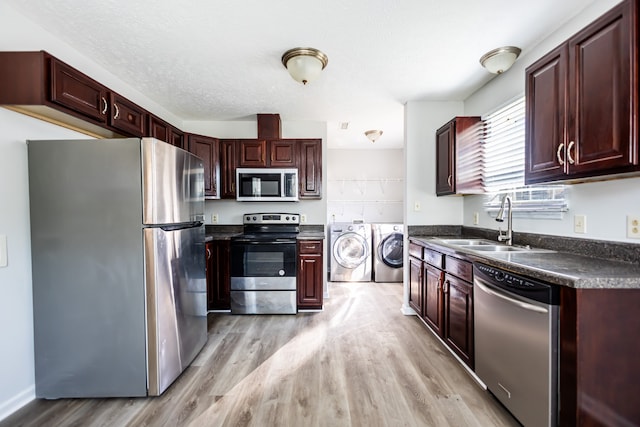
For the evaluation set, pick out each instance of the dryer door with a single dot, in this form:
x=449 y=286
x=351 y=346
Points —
x=390 y=250
x=350 y=250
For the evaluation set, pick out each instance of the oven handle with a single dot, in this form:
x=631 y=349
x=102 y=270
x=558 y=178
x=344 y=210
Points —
x=262 y=242
x=520 y=304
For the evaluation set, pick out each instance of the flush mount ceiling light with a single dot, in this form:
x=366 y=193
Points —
x=373 y=134
x=304 y=63
x=500 y=60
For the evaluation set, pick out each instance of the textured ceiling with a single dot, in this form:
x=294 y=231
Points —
x=220 y=60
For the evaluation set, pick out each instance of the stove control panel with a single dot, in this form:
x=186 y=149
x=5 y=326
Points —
x=271 y=218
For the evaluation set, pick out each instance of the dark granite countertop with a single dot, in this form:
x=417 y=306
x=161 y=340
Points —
x=311 y=235
x=556 y=267
x=224 y=235
x=226 y=232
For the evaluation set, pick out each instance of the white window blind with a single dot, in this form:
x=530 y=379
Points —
x=504 y=147
x=503 y=168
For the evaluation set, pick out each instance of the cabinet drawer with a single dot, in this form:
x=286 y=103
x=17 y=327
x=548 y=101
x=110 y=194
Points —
x=460 y=268
x=415 y=250
x=433 y=257
x=310 y=247
x=127 y=116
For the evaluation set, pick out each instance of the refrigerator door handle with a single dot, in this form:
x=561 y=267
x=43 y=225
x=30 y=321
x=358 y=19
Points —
x=184 y=225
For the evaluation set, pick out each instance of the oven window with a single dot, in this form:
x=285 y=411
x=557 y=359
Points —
x=263 y=260
x=263 y=263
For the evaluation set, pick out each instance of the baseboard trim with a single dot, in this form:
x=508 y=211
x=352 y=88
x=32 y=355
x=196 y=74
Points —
x=16 y=402
x=407 y=311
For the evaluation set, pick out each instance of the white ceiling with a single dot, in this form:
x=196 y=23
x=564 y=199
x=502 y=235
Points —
x=220 y=60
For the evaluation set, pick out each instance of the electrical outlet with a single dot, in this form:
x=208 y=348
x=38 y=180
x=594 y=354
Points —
x=633 y=226
x=580 y=224
x=303 y=218
x=476 y=218
x=416 y=206
x=214 y=218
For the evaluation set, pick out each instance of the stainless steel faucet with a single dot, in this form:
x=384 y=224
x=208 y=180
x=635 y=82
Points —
x=508 y=237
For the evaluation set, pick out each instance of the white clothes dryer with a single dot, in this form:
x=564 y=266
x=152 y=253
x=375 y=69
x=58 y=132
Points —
x=388 y=242
x=350 y=246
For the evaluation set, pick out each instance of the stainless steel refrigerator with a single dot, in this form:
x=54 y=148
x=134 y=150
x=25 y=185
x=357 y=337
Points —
x=118 y=262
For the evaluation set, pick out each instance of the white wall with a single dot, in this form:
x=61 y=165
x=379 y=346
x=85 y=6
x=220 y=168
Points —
x=365 y=184
x=16 y=314
x=606 y=204
x=422 y=119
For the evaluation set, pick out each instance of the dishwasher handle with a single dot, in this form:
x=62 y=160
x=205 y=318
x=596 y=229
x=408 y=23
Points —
x=513 y=301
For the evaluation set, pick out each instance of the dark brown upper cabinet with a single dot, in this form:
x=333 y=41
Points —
x=310 y=168
x=283 y=153
x=252 y=153
x=41 y=85
x=208 y=149
x=456 y=141
x=582 y=103
x=228 y=164
x=274 y=153
x=75 y=91
x=127 y=116
x=159 y=129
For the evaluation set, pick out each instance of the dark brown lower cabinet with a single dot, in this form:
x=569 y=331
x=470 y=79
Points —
x=415 y=285
x=309 y=280
x=599 y=353
x=433 y=298
x=458 y=317
x=441 y=292
x=218 y=275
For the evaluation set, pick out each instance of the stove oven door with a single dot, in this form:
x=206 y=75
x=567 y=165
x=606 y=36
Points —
x=263 y=277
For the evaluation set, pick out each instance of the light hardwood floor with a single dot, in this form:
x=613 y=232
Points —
x=360 y=362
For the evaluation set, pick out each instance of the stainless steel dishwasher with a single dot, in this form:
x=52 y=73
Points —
x=516 y=342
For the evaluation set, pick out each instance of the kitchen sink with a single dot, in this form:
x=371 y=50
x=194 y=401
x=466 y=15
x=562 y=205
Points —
x=496 y=248
x=488 y=246
x=466 y=242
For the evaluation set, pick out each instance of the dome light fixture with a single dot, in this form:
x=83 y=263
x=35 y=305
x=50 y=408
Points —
x=373 y=134
x=499 y=60
x=304 y=63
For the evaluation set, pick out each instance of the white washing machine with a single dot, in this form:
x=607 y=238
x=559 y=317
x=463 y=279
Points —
x=350 y=246
x=388 y=241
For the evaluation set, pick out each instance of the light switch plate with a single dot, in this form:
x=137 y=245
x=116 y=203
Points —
x=580 y=224
x=3 y=250
x=476 y=218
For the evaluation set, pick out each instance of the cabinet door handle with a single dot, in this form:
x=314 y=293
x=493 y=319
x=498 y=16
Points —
x=439 y=284
x=559 y=154
x=104 y=103
x=445 y=287
x=571 y=144
x=208 y=253
x=449 y=180
x=117 y=112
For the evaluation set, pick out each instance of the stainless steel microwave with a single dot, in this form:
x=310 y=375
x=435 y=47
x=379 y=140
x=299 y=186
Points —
x=266 y=185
